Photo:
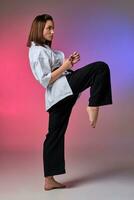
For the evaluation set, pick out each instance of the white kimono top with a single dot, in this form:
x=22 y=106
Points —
x=43 y=60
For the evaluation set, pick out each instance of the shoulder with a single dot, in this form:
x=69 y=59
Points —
x=36 y=51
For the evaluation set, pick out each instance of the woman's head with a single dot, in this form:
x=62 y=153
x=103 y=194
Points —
x=42 y=30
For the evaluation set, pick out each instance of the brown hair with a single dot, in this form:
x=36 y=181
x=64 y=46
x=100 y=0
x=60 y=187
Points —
x=36 y=31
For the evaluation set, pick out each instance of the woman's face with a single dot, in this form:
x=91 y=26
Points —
x=48 y=31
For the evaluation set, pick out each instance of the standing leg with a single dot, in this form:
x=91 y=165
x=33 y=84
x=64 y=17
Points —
x=53 y=147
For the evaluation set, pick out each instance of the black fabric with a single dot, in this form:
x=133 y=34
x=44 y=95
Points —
x=95 y=75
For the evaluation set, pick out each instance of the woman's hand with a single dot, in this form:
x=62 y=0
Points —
x=71 y=60
x=75 y=57
x=68 y=63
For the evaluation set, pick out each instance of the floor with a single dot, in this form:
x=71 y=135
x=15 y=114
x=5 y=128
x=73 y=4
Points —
x=99 y=171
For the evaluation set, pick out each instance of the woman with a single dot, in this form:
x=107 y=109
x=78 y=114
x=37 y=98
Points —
x=63 y=87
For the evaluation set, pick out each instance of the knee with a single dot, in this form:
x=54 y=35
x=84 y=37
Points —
x=103 y=66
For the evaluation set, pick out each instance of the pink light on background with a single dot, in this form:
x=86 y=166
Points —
x=98 y=32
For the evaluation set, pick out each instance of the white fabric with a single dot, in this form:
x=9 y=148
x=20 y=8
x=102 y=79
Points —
x=43 y=60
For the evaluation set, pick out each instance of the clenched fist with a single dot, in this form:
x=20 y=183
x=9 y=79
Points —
x=75 y=57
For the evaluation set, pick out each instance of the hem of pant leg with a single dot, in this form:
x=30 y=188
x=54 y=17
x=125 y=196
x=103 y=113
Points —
x=55 y=172
x=100 y=104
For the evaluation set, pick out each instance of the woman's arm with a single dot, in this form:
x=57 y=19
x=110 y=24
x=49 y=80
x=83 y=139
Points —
x=68 y=63
x=58 y=72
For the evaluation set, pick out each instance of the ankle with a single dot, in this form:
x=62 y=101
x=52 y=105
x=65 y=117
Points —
x=49 y=177
x=93 y=107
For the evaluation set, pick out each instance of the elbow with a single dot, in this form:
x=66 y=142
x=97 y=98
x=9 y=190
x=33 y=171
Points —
x=46 y=81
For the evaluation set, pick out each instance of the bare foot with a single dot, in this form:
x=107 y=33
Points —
x=51 y=183
x=93 y=115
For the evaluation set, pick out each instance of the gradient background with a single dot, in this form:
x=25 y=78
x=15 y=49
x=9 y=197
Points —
x=98 y=30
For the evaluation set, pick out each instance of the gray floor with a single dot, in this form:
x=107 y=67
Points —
x=96 y=171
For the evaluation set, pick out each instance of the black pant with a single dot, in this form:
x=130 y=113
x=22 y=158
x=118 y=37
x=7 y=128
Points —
x=95 y=75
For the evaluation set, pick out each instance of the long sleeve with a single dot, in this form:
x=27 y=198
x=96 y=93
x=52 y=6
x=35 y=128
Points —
x=40 y=66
